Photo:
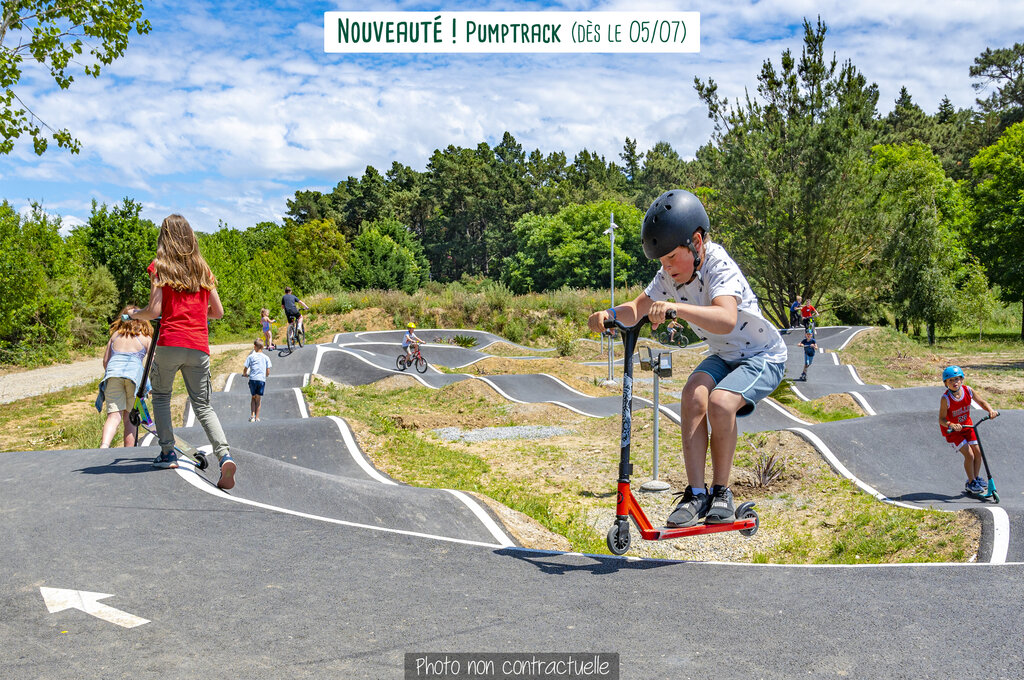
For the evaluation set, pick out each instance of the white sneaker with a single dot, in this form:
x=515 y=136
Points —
x=252 y=419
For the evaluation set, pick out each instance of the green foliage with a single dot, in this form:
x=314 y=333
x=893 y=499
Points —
x=466 y=341
x=566 y=334
x=125 y=244
x=999 y=226
x=917 y=205
x=1003 y=68
x=41 y=285
x=321 y=255
x=791 y=176
x=975 y=301
x=55 y=34
x=248 y=277
x=377 y=261
x=570 y=249
x=94 y=300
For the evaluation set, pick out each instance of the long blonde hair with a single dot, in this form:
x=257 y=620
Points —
x=179 y=264
x=130 y=328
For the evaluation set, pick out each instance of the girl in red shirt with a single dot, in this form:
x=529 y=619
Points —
x=183 y=292
x=955 y=424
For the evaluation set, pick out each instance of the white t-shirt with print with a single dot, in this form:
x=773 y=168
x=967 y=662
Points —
x=719 y=275
x=258 y=363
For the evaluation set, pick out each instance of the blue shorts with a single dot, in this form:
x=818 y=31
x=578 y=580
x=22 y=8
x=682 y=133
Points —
x=808 y=358
x=256 y=387
x=753 y=378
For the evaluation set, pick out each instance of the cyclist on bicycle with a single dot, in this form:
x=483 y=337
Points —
x=410 y=342
x=289 y=303
x=807 y=315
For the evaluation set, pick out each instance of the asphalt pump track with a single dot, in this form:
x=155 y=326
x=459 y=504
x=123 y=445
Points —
x=318 y=565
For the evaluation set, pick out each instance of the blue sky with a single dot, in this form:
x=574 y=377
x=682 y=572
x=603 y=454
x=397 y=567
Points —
x=225 y=109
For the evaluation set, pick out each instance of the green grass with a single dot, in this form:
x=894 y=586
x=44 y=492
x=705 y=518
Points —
x=860 y=530
x=815 y=410
x=427 y=462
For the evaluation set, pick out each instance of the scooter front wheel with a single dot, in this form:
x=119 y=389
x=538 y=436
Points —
x=746 y=511
x=618 y=538
x=203 y=463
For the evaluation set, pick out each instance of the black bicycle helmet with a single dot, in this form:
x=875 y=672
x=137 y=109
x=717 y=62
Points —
x=670 y=222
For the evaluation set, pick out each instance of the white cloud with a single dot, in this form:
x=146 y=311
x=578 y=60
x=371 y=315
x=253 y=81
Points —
x=226 y=110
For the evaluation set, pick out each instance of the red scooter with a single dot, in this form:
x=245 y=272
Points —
x=626 y=505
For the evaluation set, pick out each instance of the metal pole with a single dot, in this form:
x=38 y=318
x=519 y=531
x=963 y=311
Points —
x=611 y=341
x=655 y=484
x=611 y=232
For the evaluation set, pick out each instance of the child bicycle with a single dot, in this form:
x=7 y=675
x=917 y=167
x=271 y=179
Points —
x=672 y=334
x=296 y=334
x=416 y=359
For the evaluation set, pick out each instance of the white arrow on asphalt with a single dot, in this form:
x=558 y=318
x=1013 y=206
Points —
x=59 y=599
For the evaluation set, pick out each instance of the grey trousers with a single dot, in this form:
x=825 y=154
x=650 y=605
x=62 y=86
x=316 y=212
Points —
x=195 y=370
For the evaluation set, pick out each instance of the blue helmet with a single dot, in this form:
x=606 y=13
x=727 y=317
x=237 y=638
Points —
x=952 y=372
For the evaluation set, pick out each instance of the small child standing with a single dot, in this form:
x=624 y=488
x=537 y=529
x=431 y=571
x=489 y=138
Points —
x=265 y=321
x=257 y=369
x=810 y=348
x=955 y=424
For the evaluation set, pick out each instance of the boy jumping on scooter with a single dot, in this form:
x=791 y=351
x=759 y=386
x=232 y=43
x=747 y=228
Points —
x=954 y=415
x=747 y=354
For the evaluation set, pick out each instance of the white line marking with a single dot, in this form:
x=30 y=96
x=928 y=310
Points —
x=190 y=418
x=888 y=565
x=844 y=471
x=305 y=379
x=798 y=393
x=852 y=336
x=853 y=372
x=771 y=402
x=59 y=599
x=303 y=413
x=484 y=518
x=1000 y=535
x=565 y=385
x=227 y=385
x=835 y=359
x=1000 y=520
x=353 y=448
x=859 y=398
x=189 y=474
x=518 y=401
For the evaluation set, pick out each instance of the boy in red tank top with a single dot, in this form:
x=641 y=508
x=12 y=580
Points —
x=955 y=424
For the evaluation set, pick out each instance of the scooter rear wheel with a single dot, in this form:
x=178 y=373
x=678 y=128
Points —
x=618 y=538
x=203 y=463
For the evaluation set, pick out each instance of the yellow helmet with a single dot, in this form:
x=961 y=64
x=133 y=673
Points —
x=411 y=325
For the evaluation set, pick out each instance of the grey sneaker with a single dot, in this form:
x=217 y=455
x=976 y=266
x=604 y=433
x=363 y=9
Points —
x=227 y=473
x=690 y=509
x=166 y=460
x=721 y=510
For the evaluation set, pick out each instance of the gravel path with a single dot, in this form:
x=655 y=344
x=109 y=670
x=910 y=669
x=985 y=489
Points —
x=30 y=383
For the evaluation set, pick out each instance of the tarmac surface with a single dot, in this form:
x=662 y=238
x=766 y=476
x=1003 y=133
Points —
x=317 y=565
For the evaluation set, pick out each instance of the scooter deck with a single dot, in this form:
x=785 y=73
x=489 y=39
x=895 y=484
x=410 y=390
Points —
x=664 y=533
x=183 y=448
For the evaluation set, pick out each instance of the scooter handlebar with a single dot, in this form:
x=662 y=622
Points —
x=615 y=323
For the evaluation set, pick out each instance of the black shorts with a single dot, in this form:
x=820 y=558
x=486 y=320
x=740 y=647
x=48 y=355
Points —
x=292 y=316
